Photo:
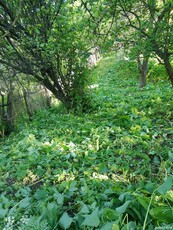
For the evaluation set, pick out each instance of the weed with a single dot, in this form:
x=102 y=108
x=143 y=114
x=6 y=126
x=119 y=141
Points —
x=110 y=168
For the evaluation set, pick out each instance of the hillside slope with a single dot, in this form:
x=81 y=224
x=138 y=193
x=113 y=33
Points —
x=107 y=169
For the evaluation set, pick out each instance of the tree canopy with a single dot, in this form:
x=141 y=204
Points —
x=50 y=39
x=45 y=39
x=144 y=25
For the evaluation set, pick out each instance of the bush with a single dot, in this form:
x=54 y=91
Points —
x=156 y=72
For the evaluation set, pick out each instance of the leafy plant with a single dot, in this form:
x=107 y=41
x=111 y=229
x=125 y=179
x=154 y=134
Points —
x=107 y=169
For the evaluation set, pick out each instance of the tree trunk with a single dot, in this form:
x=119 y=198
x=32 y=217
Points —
x=143 y=68
x=57 y=91
x=10 y=112
x=169 y=69
x=26 y=104
x=165 y=56
x=48 y=97
x=3 y=105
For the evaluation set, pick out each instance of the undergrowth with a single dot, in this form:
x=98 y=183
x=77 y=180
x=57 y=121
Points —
x=108 y=169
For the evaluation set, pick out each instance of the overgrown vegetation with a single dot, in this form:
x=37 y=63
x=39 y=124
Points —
x=107 y=169
x=47 y=40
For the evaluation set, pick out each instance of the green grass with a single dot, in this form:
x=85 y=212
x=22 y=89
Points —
x=107 y=169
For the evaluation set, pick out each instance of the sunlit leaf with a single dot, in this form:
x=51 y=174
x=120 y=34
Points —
x=166 y=186
x=65 y=221
x=115 y=227
x=92 y=220
x=107 y=226
x=123 y=207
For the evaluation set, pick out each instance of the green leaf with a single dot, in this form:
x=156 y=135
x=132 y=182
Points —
x=65 y=221
x=156 y=160
x=144 y=201
x=165 y=186
x=109 y=214
x=4 y=200
x=3 y=212
x=150 y=187
x=110 y=226
x=92 y=220
x=107 y=226
x=123 y=207
x=115 y=227
x=40 y=194
x=131 y=225
x=84 y=209
x=122 y=196
x=170 y=155
x=59 y=197
x=51 y=207
x=162 y=214
x=25 y=202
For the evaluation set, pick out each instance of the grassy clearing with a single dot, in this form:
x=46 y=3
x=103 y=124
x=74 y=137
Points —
x=108 y=169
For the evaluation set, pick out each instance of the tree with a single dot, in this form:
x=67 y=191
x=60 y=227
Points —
x=46 y=39
x=135 y=47
x=152 y=21
x=111 y=26
x=149 y=21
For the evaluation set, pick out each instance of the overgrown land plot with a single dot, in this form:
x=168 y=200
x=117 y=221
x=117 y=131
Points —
x=108 y=169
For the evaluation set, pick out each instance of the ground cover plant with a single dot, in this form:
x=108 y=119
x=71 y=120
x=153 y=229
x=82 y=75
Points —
x=108 y=169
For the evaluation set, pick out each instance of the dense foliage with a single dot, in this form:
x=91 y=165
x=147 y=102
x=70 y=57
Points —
x=142 y=27
x=103 y=159
x=109 y=169
x=51 y=40
x=48 y=40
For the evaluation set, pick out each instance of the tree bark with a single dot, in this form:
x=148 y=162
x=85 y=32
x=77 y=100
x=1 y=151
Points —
x=169 y=69
x=48 y=97
x=10 y=107
x=3 y=105
x=58 y=93
x=165 y=56
x=27 y=105
x=143 y=68
x=50 y=81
